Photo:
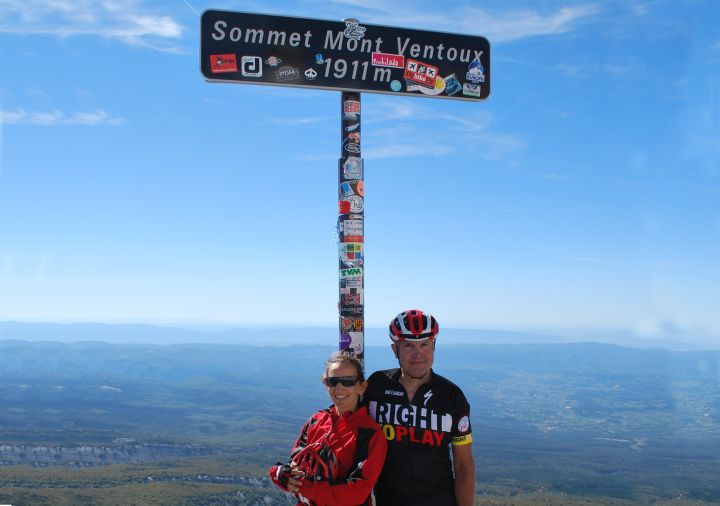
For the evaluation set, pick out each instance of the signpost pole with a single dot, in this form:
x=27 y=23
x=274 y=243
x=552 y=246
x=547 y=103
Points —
x=351 y=231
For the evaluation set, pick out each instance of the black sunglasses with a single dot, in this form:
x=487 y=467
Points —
x=346 y=381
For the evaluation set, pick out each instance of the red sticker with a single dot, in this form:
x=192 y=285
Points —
x=388 y=60
x=220 y=63
x=352 y=299
x=343 y=207
x=351 y=106
x=421 y=73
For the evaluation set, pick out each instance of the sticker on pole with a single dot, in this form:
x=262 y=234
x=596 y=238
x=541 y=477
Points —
x=352 y=230
x=352 y=167
x=352 y=341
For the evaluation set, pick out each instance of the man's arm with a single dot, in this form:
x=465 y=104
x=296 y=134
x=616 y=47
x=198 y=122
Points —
x=464 y=474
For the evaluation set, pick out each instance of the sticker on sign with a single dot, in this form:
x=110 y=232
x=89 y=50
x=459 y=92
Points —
x=388 y=60
x=421 y=73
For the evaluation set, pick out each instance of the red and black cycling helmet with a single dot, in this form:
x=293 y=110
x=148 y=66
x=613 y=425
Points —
x=413 y=325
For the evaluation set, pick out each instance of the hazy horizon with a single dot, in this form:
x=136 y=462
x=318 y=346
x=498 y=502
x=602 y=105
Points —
x=185 y=333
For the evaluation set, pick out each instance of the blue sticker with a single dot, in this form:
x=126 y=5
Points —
x=476 y=72
x=452 y=85
x=395 y=85
x=346 y=189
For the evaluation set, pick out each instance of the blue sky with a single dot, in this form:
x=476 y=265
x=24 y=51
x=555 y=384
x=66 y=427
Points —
x=584 y=193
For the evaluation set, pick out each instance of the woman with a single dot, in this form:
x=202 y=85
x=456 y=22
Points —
x=341 y=450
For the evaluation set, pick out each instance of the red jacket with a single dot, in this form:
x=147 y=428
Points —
x=342 y=457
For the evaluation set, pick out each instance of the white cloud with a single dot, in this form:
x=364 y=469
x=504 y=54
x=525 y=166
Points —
x=41 y=118
x=94 y=119
x=391 y=110
x=493 y=146
x=197 y=13
x=126 y=20
x=12 y=117
x=58 y=118
x=394 y=145
x=472 y=122
x=639 y=8
x=404 y=150
x=495 y=26
x=390 y=150
x=517 y=25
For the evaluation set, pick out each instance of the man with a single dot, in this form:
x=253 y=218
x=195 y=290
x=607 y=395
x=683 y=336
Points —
x=423 y=416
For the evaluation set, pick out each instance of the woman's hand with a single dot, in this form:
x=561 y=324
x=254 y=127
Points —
x=294 y=485
x=295 y=470
x=296 y=476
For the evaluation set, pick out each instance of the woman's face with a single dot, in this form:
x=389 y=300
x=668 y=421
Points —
x=345 y=398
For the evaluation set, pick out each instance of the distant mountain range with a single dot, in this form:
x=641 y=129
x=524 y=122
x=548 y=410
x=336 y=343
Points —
x=280 y=336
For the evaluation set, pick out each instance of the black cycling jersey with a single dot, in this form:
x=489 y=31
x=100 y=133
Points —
x=418 y=470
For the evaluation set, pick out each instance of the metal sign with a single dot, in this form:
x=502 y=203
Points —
x=241 y=47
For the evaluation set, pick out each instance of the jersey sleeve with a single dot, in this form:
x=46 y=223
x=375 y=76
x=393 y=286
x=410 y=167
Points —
x=461 y=431
x=356 y=488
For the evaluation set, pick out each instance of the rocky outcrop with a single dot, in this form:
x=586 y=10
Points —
x=88 y=456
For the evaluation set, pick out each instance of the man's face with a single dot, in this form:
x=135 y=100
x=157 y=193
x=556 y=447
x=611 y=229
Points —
x=416 y=357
